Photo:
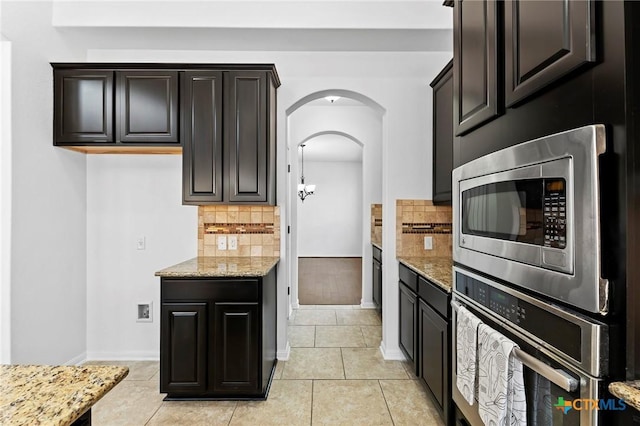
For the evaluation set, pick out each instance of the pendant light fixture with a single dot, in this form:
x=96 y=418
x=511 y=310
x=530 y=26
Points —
x=304 y=190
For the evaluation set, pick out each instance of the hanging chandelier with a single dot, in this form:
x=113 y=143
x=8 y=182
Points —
x=304 y=190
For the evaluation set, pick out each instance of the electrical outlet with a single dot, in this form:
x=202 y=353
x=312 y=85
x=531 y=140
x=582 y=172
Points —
x=145 y=312
x=222 y=242
x=428 y=243
x=141 y=243
x=233 y=242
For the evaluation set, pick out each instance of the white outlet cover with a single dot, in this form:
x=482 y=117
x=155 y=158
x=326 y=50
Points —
x=233 y=242
x=428 y=243
x=222 y=242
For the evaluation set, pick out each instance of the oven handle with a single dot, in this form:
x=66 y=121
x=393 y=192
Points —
x=557 y=376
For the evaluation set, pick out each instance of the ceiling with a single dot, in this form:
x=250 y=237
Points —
x=258 y=25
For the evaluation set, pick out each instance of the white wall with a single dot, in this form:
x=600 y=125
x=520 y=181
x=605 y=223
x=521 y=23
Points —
x=329 y=222
x=48 y=201
x=5 y=201
x=128 y=197
x=57 y=290
x=399 y=82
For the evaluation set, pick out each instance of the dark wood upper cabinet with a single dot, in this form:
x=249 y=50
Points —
x=248 y=136
x=147 y=106
x=83 y=110
x=476 y=69
x=202 y=151
x=442 y=135
x=544 y=41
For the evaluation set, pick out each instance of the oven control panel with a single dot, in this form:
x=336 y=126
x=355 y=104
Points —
x=555 y=213
x=533 y=319
x=498 y=301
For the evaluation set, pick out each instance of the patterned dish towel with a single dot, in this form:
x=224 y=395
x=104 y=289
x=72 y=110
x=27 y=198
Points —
x=466 y=360
x=501 y=396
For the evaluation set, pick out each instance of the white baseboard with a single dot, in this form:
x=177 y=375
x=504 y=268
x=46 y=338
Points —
x=295 y=304
x=124 y=356
x=391 y=354
x=367 y=305
x=77 y=360
x=284 y=355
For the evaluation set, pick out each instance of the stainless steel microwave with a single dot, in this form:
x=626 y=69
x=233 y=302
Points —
x=530 y=215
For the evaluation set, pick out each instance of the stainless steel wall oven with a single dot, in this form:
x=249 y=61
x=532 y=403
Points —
x=527 y=264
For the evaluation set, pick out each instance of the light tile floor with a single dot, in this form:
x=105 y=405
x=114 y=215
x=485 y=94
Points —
x=335 y=375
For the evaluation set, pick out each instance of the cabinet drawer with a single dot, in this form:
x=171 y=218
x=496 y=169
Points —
x=409 y=278
x=434 y=296
x=231 y=290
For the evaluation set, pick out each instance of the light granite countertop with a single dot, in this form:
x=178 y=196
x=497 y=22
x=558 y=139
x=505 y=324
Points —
x=53 y=395
x=213 y=267
x=628 y=391
x=438 y=270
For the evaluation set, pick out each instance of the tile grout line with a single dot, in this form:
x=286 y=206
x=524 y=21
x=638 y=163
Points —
x=233 y=413
x=313 y=382
x=386 y=403
x=154 y=413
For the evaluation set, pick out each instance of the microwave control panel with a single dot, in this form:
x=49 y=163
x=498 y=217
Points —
x=555 y=213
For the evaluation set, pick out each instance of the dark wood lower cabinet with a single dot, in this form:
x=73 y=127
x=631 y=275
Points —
x=217 y=337
x=425 y=336
x=236 y=337
x=408 y=323
x=435 y=363
x=184 y=340
x=377 y=278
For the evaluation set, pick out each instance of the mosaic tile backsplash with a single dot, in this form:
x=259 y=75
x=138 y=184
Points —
x=256 y=228
x=376 y=224
x=416 y=219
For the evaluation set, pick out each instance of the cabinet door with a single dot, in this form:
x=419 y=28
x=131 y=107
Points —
x=183 y=343
x=408 y=322
x=148 y=106
x=202 y=137
x=544 y=41
x=83 y=110
x=475 y=63
x=377 y=284
x=248 y=140
x=236 y=348
x=434 y=352
x=443 y=135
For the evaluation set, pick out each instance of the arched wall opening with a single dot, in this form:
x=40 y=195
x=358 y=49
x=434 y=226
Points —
x=354 y=117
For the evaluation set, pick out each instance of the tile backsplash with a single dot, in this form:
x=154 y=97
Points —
x=376 y=224
x=256 y=228
x=416 y=219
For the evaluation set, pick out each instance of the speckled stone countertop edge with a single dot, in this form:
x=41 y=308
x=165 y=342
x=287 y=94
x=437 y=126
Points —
x=53 y=394
x=444 y=282
x=221 y=267
x=627 y=391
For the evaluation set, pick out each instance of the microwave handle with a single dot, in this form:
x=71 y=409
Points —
x=555 y=375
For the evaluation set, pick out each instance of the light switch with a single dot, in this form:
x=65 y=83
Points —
x=222 y=242
x=141 y=243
